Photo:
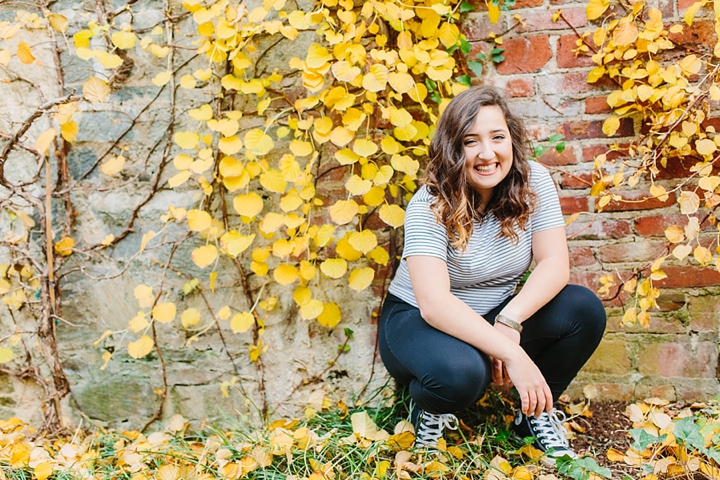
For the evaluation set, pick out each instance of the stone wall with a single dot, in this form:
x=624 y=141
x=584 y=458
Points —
x=675 y=358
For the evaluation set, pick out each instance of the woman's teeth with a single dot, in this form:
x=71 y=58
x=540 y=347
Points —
x=486 y=168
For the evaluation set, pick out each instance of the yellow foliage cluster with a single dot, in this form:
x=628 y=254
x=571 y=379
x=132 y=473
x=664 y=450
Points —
x=672 y=100
x=361 y=99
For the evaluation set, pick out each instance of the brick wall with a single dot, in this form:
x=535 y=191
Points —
x=677 y=356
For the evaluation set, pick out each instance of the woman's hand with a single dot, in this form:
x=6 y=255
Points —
x=534 y=391
x=499 y=374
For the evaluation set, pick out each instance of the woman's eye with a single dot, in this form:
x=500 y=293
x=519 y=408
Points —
x=499 y=137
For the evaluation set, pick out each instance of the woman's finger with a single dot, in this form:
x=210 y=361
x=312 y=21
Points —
x=497 y=368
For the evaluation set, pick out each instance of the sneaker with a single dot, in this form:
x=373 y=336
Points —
x=549 y=434
x=429 y=427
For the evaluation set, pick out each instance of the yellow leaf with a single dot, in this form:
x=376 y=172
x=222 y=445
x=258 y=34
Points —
x=5 y=57
x=60 y=24
x=162 y=78
x=188 y=81
x=363 y=425
x=24 y=53
x=702 y=255
x=64 y=246
x=123 y=40
x=358 y=186
x=611 y=125
x=334 y=267
x=113 y=166
x=285 y=274
x=346 y=156
x=186 y=140
x=330 y=315
x=682 y=251
x=379 y=255
x=164 y=312
x=361 y=278
x=317 y=56
x=230 y=145
x=343 y=211
x=300 y=148
x=659 y=192
x=375 y=196
x=692 y=10
x=179 y=179
x=345 y=72
x=141 y=347
x=69 y=130
x=234 y=243
x=689 y=202
x=626 y=32
x=393 y=215
x=241 y=322
x=6 y=354
x=96 y=90
x=705 y=147
x=363 y=241
x=248 y=205
x=138 y=323
x=311 y=309
x=402 y=82
x=324 y=235
x=364 y=148
x=272 y=222
x=204 y=256
x=449 y=34
x=615 y=456
x=257 y=142
x=493 y=12
x=389 y=145
x=376 y=79
x=341 y=136
x=595 y=8
x=273 y=181
x=674 y=234
x=198 y=220
x=43 y=470
x=190 y=317
x=167 y=472
x=45 y=139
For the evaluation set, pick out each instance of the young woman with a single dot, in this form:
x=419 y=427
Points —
x=452 y=322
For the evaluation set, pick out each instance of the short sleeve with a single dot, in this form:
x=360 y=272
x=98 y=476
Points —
x=547 y=213
x=423 y=234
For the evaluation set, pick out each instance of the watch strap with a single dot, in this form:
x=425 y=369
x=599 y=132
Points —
x=509 y=323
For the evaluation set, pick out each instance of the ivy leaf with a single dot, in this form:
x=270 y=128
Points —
x=465 y=46
x=476 y=67
x=464 y=80
x=466 y=6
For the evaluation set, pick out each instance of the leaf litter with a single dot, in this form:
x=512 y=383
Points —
x=649 y=440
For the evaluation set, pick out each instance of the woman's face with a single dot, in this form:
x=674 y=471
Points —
x=488 y=151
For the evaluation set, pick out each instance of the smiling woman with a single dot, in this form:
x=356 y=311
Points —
x=452 y=321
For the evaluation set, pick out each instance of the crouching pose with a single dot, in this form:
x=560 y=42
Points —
x=452 y=322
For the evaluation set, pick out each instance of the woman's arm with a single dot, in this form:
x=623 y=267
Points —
x=444 y=311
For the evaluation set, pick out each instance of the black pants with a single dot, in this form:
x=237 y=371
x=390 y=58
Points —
x=445 y=374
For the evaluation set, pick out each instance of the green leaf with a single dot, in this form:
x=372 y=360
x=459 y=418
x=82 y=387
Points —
x=641 y=439
x=466 y=6
x=476 y=68
x=452 y=49
x=498 y=58
x=464 y=79
x=435 y=97
x=349 y=332
x=496 y=51
x=560 y=147
x=580 y=468
x=481 y=56
x=539 y=151
x=555 y=137
x=431 y=86
x=465 y=46
x=687 y=432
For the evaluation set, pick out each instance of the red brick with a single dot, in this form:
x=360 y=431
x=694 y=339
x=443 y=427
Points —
x=702 y=313
x=611 y=357
x=689 y=276
x=572 y=205
x=520 y=87
x=638 y=201
x=577 y=180
x=566 y=58
x=597 y=105
x=581 y=257
x=642 y=251
x=525 y=54
x=655 y=225
x=598 y=230
x=589 y=153
x=477 y=26
x=670 y=302
x=683 y=4
x=676 y=359
x=555 y=159
x=701 y=32
x=679 y=168
x=542 y=20
x=526 y=4
x=593 y=129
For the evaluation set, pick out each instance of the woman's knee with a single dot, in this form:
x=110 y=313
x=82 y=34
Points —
x=457 y=383
x=585 y=307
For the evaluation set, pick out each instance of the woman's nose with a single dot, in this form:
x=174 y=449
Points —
x=485 y=150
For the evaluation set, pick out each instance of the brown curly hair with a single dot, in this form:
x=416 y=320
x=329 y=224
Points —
x=456 y=203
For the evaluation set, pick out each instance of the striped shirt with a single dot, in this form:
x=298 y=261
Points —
x=488 y=271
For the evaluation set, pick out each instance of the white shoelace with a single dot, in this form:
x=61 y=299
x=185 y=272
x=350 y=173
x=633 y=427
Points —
x=431 y=427
x=549 y=430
